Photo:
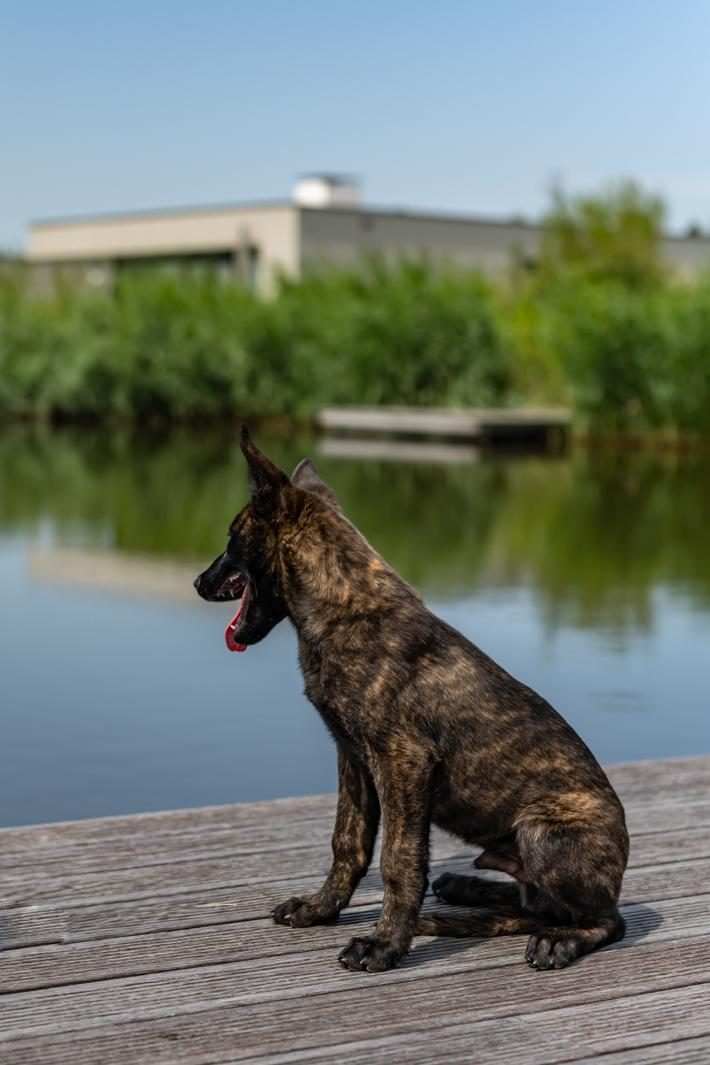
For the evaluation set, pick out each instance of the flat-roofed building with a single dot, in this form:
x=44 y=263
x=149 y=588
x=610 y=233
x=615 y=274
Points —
x=324 y=223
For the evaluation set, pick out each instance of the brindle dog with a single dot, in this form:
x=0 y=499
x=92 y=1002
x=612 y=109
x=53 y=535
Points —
x=428 y=729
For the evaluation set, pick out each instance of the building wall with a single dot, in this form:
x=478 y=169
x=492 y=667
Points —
x=342 y=237
x=687 y=255
x=273 y=230
x=288 y=239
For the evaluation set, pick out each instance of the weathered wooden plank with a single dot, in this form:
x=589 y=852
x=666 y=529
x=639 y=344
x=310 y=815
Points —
x=54 y=965
x=72 y=921
x=682 y=779
x=225 y=1013
x=647 y=778
x=22 y=887
x=191 y=820
x=678 y=1052
x=471 y=423
x=683 y=810
x=136 y=847
x=664 y=1027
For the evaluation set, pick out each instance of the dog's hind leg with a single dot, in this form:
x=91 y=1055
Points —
x=356 y=823
x=574 y=849
x=475 y=891
x=571 y=851
x=460 y=890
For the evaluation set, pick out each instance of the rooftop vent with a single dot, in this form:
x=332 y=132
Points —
x=327 y=190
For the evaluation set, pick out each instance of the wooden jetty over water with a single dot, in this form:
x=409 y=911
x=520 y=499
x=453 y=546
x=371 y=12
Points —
x=447 y=423
x=147 y=940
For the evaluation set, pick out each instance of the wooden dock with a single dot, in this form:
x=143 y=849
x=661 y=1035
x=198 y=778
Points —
x=447 y=423
x=147 y=940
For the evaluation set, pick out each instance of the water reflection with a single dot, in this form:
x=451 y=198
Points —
x=586 y=576
x=593 y=535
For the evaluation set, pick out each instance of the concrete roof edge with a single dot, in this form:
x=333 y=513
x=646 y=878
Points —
x=160 y=212
x=413 y=214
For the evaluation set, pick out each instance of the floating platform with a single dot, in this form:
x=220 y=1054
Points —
x=444 y=423
x=148 y=940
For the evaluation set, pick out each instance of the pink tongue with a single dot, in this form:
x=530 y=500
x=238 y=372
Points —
x=232 y=644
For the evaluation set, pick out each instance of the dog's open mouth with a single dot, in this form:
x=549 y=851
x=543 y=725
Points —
x=235 y=587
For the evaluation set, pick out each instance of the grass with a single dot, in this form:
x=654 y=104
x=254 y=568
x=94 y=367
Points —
x=599 y=323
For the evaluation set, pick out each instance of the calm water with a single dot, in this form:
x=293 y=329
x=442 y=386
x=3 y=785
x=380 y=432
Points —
x=589 y=578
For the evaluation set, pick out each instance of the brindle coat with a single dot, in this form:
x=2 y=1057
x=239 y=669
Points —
x=428 y=730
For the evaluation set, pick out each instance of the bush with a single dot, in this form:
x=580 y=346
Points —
x=188 y=346
x=612 y=236
x=157 y=345
x=687 y=368
x=636 y=360
x=410 y=334
x=614 y=344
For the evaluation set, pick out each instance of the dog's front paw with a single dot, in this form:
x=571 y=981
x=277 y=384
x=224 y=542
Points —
x=302 y=913
x=368 y=954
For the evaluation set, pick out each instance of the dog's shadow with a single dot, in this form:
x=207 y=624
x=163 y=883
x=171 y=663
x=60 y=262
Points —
x=641 y=921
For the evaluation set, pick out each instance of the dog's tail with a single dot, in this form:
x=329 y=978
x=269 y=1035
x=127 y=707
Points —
x=483 y=923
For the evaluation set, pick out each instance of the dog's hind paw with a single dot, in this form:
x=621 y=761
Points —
x=367 y=954
x=460 y=890
x=465 y=890
x=445 y=885
x=553 y=949
x=302 y=913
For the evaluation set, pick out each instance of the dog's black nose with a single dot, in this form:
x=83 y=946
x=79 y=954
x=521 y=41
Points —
x=196 y=583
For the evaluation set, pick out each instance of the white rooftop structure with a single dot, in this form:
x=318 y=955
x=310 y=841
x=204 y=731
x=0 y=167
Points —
x=326 y=190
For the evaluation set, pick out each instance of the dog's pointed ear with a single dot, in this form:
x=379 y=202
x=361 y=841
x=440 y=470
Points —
x=306 y=476
x=266 y=479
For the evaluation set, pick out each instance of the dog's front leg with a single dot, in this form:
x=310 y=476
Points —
x=356 y=822
x=404 y=795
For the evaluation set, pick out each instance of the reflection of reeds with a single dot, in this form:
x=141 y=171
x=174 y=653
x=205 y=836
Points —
x=594 y=536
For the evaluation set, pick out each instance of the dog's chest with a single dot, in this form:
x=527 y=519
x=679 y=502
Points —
x=336 y=693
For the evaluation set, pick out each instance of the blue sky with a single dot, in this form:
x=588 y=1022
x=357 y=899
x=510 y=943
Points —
x=455 y=104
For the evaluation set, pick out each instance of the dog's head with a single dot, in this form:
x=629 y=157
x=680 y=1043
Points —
x=248 y=570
